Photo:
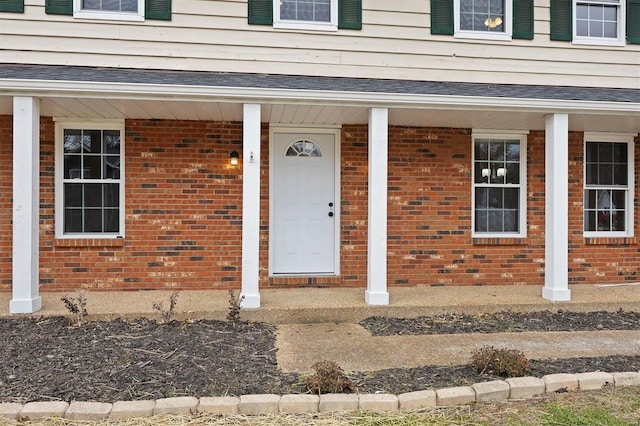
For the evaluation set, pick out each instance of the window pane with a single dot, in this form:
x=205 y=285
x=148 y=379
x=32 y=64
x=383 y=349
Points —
x=495 y=221
x=73 y=194
x=510 y=221
x=92 y=141
x=495 y=198
x=72 y=220
x=481 y=172
x=92 y=167
x=72 y=141
x=111 y=220
x=482 y=195
x=92 y=195
x=605 y=174
x=481 y=221
x=306 y=10
x=481 y=151
x=91 y=4
x=590 y=223
x=93 y=220
x=111 y=194
x=620 y=174
x=111 y=5
x=129 y=5
x=513 y=173
x=511 y=198
x=72 y=168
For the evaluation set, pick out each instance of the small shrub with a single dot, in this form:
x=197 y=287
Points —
x=76 y=307
x=329 y=378
x=233 y=316
x=167 y=314
x=499 y=362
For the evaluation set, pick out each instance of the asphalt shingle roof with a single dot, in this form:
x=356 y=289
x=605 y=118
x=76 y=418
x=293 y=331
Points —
x=329 y=84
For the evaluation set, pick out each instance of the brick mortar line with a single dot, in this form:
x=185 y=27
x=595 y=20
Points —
x=259 y=404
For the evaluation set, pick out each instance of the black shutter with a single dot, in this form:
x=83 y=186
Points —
x=633 y=21
x=442 y=17
x=523 y=19
x=350 y=14
x=261 y=12
x=59 y=7
x=12 y=6
x=561 y=20
x=158 y=9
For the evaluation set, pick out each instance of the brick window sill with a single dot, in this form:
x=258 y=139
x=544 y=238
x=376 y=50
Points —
x=499 y=241
x=89 y=242
x=611 y=241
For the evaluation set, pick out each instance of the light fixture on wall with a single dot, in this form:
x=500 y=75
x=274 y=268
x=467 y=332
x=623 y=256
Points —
x=234 y=158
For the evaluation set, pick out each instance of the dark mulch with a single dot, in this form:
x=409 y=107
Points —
x=507 y=321
x=46 y=359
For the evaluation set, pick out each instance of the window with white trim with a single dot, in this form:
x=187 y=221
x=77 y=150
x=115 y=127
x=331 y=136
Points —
x=608 y=185
x=129 y=10
x=483 y=18
x=499 y=185
x=598 y=21
x=311 y=14
x=89 y=180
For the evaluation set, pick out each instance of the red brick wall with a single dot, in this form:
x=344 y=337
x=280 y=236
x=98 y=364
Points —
x=184 y=204
x=183 y=213
x=6 y=194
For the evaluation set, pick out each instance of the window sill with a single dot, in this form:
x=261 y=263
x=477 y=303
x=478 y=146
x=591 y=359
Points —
x=510 y=241
x=611 y=241
x=88 y=242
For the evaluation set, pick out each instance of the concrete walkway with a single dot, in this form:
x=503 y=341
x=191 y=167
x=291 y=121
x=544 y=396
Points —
x=321 y=324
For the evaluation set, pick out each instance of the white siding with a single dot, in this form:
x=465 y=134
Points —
x=214 y=35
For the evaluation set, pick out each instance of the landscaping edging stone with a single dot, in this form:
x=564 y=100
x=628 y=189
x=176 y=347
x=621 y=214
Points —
x=257 y=404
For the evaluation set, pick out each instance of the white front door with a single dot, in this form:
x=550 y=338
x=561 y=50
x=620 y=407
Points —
x=304 y=209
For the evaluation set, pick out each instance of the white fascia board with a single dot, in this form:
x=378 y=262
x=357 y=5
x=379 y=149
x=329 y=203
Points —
x=135 y=91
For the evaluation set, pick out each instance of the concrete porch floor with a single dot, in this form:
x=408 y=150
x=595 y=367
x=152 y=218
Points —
x=341 y=305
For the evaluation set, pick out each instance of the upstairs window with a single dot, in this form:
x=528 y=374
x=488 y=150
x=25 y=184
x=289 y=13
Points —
x=132 y=10
x=487 y=19
x=598 y=22
x=122 y=10
x=608 y=186
x=307 y=14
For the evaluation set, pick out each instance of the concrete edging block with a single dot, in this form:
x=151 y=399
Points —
x=378 y=402
x=525 y=387
x=496 y=390
x=629 y=378
x=416 y=400
x=10 y=410
x=123 y=410
x=339 y=402
x=299 y=403
x=562 y=381
x=42 y=409
x=177 y=405
x=219 y=405
x=83 y=410
x=593 y=381
x=459 y=395
x=258 y=404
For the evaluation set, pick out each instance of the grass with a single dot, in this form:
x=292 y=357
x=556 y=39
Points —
x=607 y=407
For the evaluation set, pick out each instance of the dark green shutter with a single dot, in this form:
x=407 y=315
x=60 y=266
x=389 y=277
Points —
x=12 y=6
x=442 y=17
x=158 y=9
x=261 y=12
x=59 y=7
x=523 y=19
x=350 y=14
x=561 y=20
x=633 y=21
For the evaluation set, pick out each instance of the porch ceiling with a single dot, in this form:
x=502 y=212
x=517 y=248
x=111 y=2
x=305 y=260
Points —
x=324 y=115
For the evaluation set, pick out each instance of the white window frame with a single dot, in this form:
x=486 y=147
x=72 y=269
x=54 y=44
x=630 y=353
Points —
x=60 y=126
x=604 y=41
x=485 y=35
x=138 y=16
x=332 y=25
x=629 y=199
x=522 y=219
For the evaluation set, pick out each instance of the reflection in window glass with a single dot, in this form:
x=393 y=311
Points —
x=597 y=19
x=303 y=148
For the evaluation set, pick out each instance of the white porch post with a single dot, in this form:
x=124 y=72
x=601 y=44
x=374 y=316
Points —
x=250 y=206
x=26 y=205
x=377 y=293
x=556 y=276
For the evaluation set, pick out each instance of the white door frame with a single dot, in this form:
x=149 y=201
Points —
x=326 y=130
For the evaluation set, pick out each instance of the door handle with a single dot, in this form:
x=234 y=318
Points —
x=330 y=214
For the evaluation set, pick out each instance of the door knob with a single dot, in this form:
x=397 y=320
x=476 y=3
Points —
x=330 y=214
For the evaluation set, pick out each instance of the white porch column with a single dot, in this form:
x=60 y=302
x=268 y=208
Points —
x=556 y=276
x=26 y=205
x=377 y=293
x=250 y=206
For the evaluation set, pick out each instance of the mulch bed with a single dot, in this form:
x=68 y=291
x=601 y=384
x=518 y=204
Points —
x=47 y=359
